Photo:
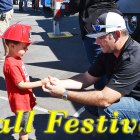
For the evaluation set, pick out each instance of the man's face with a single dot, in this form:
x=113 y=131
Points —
x=107 y=43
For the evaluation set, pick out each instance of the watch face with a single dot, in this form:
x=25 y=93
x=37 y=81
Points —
x=65 y=97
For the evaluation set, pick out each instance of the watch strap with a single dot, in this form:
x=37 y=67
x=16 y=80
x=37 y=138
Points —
x=65 y=95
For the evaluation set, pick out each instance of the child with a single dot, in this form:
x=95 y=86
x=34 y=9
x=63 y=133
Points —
x=19 y=88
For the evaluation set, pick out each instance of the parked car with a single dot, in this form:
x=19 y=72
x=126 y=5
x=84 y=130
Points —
x=131 y=12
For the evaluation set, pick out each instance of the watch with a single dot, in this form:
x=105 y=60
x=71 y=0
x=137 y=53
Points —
x=65 y=95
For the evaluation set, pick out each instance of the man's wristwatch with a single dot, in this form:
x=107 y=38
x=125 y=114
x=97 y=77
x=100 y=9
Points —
x=65 y=95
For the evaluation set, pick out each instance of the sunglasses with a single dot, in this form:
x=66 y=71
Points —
x=98 y=28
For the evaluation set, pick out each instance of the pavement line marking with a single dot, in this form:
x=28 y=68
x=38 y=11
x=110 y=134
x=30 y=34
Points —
x=36 y=107
x=4 y=98
x=41 y=109
x=76 y=114
x=79 y=112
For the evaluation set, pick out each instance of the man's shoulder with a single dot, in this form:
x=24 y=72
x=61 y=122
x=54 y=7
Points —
x=134 y=46
x=132 y=50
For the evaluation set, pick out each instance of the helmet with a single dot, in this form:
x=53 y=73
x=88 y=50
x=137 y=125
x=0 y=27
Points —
x=18 y=32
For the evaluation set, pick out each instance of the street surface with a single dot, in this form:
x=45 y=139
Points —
x=62 y=58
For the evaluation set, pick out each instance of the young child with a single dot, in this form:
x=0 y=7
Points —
x=19 y=87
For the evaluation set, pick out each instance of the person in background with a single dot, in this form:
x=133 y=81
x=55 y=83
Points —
x=35 y=4
x=6 y=14
x=18 y=85
x=15 y=2
x=89 y=10
x=23 y=4
x=120 y=62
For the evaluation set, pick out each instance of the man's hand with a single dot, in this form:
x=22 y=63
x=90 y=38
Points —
x=54 y=80
x=54 y=88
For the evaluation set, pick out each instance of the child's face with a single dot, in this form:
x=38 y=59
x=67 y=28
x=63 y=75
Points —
x=20 y=49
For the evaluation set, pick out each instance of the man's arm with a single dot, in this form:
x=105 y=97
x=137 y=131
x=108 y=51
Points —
x=79 y=81
x=102 y=98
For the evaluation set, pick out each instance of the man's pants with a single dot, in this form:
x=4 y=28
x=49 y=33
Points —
x=127 y=108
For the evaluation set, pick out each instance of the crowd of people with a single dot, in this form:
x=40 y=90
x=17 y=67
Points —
x=114 y=70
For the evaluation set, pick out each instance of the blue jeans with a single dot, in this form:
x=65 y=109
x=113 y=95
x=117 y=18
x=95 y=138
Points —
x=127 y=107
x=92 y=51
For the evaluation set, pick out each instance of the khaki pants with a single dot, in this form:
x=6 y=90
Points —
x=5 y=24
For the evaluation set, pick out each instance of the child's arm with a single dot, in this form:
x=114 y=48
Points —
x=30 y=85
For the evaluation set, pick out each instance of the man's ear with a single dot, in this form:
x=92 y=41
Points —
x=117 y=34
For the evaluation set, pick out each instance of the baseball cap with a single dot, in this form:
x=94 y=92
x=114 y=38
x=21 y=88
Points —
x=106 y=23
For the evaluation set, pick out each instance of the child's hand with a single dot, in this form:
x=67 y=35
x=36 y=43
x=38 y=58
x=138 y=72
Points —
x=44 y=81
x=35 y=99
x=34 y=96
x=51 y=80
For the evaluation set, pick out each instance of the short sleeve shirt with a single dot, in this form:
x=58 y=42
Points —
x=15 y=72
x=123 y=73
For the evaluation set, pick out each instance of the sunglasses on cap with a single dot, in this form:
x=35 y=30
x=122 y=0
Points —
x=98 y=28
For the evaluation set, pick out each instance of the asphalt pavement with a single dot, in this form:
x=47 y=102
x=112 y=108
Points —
x=61 y=57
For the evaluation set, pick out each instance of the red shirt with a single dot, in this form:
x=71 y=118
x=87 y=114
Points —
x=15 y=72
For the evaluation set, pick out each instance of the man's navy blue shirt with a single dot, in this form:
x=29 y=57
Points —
x=123 y=73
x=5 y=5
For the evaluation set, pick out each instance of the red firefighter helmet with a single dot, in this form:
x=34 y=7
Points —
x=18 y=32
